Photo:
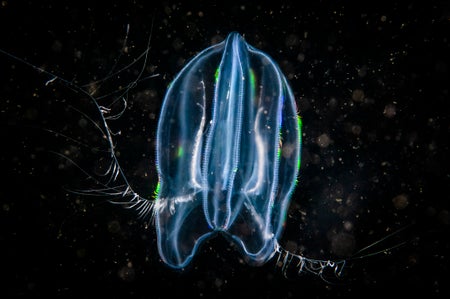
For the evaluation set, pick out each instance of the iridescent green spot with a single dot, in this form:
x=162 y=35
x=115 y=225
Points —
x=252 y=79
x=157 y=189
x=180 y=152
x=299 y=124
x=280 y=145
x=216 y=75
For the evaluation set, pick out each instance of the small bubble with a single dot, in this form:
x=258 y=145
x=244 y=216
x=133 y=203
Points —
x=57 y=46
x=356 y=130
x=114 y=226
x=291 y=246
x=400 y=201
x=362 y=72
x=390 y=110
x=127 y=273
x=444 y=217
x=81 y=252
x=348 y=226
x=358 y=95
x=323 y=140
x=218 y=282
x=6 y=207
x=301 y=57
x=292 y=40
x=82 y=123
x=343 y=244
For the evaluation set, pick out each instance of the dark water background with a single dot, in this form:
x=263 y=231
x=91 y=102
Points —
x=372 y=86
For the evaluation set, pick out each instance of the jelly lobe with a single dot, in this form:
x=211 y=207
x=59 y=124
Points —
x=228 y=154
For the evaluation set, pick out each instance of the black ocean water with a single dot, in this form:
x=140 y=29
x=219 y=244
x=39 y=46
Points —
x=371 y=84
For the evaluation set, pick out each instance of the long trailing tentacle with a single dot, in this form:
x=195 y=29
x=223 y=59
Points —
x=364 y=252
x=123 y=193
x=287 y=260
x=112 y=182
